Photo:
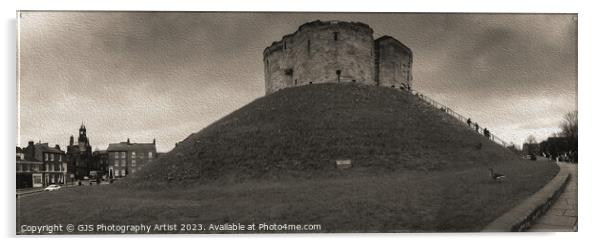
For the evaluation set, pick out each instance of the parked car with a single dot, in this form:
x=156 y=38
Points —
x=532 y=157
x=52 y=187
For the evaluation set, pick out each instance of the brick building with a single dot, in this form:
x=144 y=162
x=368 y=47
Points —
x=40 y=165
x=126 y=158
x=100 y=164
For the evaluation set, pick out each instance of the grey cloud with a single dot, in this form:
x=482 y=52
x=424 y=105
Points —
x=176 y=72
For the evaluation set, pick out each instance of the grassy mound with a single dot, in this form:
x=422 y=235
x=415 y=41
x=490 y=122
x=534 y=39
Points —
x=301 y=132
x=273 y=161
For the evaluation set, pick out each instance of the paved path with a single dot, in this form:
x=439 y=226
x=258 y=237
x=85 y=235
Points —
x=562 y=216
x=35 y=191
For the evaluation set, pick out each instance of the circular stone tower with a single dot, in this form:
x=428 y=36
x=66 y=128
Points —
x=321 y=52
x=336 y=52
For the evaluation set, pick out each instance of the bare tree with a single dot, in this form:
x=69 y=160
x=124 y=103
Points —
x=531 y=139
x=569 y=125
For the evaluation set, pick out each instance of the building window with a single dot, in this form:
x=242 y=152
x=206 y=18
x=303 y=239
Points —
x=51 y=157
x=116 y=163
x=133 y=162
x=123 y=162
x=133 y=171
x=150 y=155
x=60 y=158
x=122 y=154
x=133 y=155
x=336 y=36
x=46 y=156
x=338 y=75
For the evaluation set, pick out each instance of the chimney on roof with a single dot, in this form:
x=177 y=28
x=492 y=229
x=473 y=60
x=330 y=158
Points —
x=154 y=141
x=58 y=147
x=31 y=151
x=128 y=141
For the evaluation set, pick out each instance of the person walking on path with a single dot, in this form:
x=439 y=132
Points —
x=469 y=122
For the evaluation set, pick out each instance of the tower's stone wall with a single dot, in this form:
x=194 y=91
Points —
x=331 y=52
x=393 y=63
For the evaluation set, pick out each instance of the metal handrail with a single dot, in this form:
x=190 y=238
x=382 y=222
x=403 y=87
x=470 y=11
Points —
x=457 y=116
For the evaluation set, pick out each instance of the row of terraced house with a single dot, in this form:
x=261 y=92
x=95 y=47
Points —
x=40 y=164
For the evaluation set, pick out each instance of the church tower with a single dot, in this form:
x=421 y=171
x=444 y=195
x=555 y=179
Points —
x=82 y=140
x=82 y=135
x=79 y=155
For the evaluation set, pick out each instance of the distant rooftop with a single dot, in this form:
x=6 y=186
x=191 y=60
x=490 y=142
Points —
x=126 y=146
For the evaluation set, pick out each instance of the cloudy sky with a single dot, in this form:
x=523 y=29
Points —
x=145 y=75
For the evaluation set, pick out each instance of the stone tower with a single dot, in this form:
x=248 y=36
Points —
x=336 y=52
x=82 y=140
x=392 y=63
x=79 y=155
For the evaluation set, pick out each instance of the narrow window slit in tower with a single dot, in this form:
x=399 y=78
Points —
x=308 y=46
x=336 y=36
